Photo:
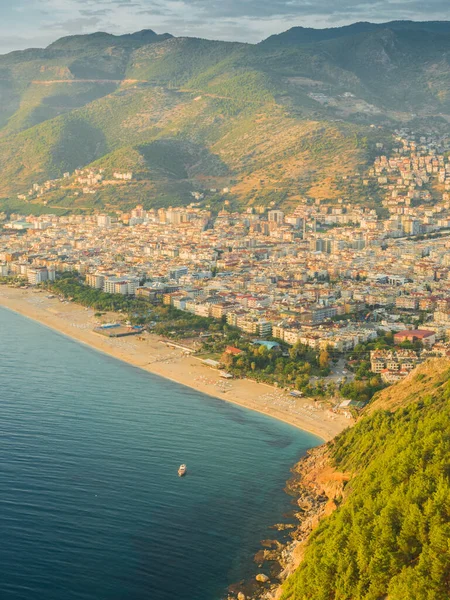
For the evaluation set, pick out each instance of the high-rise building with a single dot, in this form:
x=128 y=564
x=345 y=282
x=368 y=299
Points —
x=276 y=216
x=37 y=275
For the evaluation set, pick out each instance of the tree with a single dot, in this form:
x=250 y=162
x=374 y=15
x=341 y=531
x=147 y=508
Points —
x=262 y=351
x=389 y=536
x=324 y=359
x=226 y=359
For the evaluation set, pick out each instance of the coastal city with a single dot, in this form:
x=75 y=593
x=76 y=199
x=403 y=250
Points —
x=225 y=300
x=365 y=291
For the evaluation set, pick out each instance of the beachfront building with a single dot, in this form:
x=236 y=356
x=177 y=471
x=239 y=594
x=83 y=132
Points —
x=95 y=280
x=119 y=285
x=37 y=275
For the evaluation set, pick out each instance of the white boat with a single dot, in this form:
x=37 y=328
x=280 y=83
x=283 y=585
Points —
x=182 y=470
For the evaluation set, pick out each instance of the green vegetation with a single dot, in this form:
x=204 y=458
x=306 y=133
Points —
x=291 y=369
x=43 y=102
x=71 y=287
x=162 y=320
x=362 y=389
x=23 y=207
x=294 y=367
x=366 y=384
x=171 y=68
x=188 y=114
x=389 y=538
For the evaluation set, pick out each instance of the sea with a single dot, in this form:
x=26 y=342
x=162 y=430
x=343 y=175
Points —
x=91 y=506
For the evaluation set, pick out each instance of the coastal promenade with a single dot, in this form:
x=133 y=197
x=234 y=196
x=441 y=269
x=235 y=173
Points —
x=155 y=357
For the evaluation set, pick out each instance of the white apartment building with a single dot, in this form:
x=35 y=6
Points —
x=126 y=286
x=95 y=280
x=37 y=275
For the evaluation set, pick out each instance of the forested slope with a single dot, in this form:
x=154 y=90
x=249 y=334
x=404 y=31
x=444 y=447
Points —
x=390 y=536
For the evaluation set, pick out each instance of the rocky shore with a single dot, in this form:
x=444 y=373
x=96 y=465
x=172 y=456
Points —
x=317 y=489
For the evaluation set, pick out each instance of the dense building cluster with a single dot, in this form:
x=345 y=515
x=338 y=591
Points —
x=326 y=276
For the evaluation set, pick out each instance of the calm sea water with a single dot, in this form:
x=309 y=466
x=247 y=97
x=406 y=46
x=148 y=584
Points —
x=91 y=507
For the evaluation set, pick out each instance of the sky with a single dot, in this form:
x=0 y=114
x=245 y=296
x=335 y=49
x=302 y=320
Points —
x=36 y=23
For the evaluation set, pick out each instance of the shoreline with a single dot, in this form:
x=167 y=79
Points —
x=153 y=356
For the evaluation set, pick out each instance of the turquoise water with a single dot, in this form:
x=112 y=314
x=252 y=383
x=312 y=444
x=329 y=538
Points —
x=91 y=507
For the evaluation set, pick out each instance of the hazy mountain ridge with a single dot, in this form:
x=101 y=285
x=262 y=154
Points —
x=88 y=97
x=306 y=35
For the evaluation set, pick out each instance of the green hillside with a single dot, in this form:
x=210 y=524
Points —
x=389 y=537
x=274 y=122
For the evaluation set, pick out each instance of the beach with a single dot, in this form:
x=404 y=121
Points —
x=149 y=352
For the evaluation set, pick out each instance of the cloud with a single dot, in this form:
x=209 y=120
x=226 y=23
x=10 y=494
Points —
x=76 y=25
x=86 y=12
x=261 y=9
x=38 y=22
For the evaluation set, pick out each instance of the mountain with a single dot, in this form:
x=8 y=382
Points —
x=273 y=122
x=388 y=537
x=307 y=35
x=105 y=40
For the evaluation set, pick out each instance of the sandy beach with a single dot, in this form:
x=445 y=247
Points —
x=153 y=355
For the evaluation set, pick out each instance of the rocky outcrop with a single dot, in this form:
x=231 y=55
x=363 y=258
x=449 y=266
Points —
x=317 y=489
